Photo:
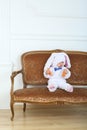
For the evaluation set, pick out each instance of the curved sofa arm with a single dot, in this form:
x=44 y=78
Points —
x=14 y=74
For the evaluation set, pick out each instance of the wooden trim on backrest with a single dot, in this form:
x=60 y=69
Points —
x=33 y=63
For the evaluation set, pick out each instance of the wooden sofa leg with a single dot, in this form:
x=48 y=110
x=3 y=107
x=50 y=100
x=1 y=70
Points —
x=24 y=107
x=12 y=110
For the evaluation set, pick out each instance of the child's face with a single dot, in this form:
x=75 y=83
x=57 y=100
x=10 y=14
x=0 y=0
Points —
x=60 y=64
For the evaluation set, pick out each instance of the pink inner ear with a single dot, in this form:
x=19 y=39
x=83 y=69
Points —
x=66 y=64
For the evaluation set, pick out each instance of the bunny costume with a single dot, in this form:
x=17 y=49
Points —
x=57 y=80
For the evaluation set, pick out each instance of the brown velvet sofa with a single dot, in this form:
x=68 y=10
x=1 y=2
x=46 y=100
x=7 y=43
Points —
x=32 y=74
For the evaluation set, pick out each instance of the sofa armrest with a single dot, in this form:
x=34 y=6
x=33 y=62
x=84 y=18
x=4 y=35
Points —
x=14 y=74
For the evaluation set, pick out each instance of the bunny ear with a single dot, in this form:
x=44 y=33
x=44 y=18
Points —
x=48 y=64
x=67 y=61
x=50 y=61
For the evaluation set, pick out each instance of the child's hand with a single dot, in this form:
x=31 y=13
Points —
x=48 y=72
x=64 y=72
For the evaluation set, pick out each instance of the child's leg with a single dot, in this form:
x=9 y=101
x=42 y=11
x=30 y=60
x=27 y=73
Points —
x=67 y=87
x=51 y=85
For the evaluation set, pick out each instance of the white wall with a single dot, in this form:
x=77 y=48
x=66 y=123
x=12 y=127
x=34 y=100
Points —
x=27 y=25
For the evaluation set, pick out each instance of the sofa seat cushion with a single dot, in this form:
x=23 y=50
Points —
x=42 y=95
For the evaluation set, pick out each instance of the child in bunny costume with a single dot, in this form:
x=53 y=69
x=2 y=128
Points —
x=56 y=70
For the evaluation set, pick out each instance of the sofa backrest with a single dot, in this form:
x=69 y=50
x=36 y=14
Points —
x=33 y=63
